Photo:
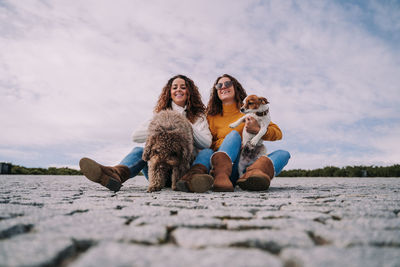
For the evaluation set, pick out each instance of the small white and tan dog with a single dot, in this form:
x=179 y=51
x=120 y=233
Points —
x=252 y=144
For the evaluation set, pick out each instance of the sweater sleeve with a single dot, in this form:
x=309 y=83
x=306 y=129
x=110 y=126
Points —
x=140 y=134
x=273 y=133
x=201 y=133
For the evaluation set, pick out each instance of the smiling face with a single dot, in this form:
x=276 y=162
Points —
x=226 y=94
x=179 y=92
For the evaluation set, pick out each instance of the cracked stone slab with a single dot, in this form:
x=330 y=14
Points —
x=368 y=224
x=223 y=213
x=337 y=257
x=34 y=250
x=358 y=237
x=95 y=226
x=181 y=221
x=307 y=215
x=275 y=224
x=271 y=240
x=116 y=254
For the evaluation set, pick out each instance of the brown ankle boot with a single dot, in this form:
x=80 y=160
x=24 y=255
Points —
x=110 y=177
x=221 y=170
x=258 y=176
x=195 y=180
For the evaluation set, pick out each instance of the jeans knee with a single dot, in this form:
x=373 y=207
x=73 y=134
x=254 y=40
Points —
x=279 y=157
x=205 y=152
x=234 y=134
x=204 y=157
x=284 y=154
x=233 y=139
x=231 y=145
x=137 y=150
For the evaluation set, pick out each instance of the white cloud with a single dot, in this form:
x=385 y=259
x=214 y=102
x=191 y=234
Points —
x=88 y=73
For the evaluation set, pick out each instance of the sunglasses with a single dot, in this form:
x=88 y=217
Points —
x=227 y=84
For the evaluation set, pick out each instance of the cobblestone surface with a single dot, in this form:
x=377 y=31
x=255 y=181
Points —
x=70 y=221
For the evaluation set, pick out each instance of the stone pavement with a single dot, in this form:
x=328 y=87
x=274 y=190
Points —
x=70 y=221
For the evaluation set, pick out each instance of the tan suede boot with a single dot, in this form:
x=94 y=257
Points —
x=110 y=177
x=258 y=176
x=221 y=170
x=195 y=180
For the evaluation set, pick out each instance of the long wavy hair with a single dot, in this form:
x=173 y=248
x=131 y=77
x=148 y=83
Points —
x=214 y=106
x=194 y=105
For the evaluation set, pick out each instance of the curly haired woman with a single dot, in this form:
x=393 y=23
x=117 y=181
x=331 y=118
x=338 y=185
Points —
x=223 y=107
x=179 y=94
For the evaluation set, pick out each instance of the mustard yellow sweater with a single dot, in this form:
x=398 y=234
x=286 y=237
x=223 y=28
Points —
x=219 y=126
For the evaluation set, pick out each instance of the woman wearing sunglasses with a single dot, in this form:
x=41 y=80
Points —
x=223 y=107
x=179 y=94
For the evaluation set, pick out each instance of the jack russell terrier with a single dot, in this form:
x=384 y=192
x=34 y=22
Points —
x=252 y=144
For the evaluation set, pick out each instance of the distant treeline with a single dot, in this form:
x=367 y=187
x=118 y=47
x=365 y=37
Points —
x=330 y=171
x=15 y=169
x=348 y=171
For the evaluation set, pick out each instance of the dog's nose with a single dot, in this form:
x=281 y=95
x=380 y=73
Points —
x=242 y=109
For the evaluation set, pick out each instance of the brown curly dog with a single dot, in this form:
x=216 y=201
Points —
x=169 y=149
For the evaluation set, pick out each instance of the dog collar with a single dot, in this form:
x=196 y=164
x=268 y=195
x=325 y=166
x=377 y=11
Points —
x=261 y=113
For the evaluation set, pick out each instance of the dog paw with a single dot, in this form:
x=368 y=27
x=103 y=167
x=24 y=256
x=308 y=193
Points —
x=253 y=142
x=153 y=188
x=233 y=125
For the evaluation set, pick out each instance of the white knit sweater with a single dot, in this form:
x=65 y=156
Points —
x=201 y=132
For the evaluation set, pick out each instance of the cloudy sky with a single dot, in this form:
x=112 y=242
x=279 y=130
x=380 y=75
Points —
x=77 y=77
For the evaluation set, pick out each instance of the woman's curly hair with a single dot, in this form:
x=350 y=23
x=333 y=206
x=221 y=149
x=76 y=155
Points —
x=214 y=106
x=194 y=105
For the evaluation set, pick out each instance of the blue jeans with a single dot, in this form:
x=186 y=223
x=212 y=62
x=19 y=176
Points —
x=135 y=163
x=231 y=146
x=279 y=158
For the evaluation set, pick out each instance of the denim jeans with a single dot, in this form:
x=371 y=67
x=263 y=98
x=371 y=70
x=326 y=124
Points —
x=279 y=158
x=135 y=163
x=231 y=146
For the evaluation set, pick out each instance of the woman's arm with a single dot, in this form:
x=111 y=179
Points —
x=201 y=133
x=273 y=132
x=140 y=134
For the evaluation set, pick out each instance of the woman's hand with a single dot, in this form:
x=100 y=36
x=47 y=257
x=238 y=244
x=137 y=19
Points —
x=251 y=125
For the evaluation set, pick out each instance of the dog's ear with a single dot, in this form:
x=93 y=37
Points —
x=264 y=100
x=147 y=149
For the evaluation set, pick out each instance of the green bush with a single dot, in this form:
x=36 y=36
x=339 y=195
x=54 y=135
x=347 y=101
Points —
x=348 y=171
x=15 y=169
